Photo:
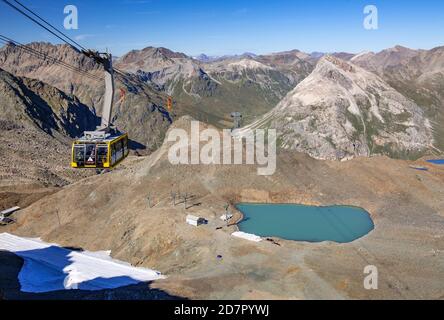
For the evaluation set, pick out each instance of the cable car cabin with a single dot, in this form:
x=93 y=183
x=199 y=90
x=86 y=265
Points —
x=103 y=152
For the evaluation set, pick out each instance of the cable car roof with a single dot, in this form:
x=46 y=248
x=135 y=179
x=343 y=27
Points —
x=108 y=138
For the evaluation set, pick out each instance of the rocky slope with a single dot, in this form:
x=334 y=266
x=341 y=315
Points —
x=417 y=74
x=21 y=63
x=37 y=122
x=141 y=113
x=382 y=61
x=342 y=110
x=293 y=61
x=211 y=90
x=25 y=101
x=406 y=245
x=253 y=85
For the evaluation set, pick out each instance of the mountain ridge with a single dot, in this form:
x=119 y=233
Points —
x=251 y=84
x=341 y=111
x=141 y=112
x=37 y=122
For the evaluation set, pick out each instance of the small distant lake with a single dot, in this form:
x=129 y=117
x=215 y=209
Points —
x=436 y=161
x=305 y=223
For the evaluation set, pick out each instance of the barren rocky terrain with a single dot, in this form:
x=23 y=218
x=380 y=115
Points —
x=111 y=212
x=37 y=122
x=210 y=90
x=340 y=106
x=140 y=113
x=417 y=74
x=341 y=110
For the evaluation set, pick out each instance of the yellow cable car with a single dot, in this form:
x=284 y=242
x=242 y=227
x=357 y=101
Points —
x=102 y=148
x=99 y=152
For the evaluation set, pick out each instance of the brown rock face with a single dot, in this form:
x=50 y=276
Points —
x=141 y=113
x=417 y=74
x=37 y=122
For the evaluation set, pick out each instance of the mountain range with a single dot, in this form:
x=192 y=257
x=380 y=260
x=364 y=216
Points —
x=210 y=91
x=341 y=111
x=331 y=106
x=140 y=114
x=417 y=74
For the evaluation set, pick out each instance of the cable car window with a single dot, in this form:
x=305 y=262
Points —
x=120 y=149
x=102 y=152
x=113 y=153
x=125 y=145
x=90 y=154
x=79 y=153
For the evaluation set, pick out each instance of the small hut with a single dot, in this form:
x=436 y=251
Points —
x=195 y=221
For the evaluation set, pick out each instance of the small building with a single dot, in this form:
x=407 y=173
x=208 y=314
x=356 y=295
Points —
x=226 y=216
x=195 y=221
x=9 y=211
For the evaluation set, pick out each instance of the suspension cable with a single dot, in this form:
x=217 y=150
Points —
x=45 y=56
x=76 y=45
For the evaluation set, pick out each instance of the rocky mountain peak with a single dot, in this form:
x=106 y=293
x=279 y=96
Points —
x=341 y=111
x=339 y=63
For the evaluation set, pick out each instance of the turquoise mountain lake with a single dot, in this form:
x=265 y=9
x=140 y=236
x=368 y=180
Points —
x=305 y=223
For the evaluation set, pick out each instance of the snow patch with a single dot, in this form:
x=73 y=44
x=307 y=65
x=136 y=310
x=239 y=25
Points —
x=49 y=267
x=247 y=236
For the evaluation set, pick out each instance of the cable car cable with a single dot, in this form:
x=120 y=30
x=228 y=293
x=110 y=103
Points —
x=127 y=77
x=45 y=56
x=49 y=24
x=40 y=24
x=95 y=55
x=64 y=40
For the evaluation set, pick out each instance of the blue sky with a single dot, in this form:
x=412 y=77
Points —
x=227 y=27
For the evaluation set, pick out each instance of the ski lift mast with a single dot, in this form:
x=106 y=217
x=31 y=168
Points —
x=105 y=59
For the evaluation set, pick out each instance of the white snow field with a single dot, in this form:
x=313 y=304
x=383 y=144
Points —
x=49 y=267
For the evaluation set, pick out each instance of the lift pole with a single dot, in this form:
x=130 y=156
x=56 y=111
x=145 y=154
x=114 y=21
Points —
x=109 y=92
x=106 y=60
x=237 y=119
